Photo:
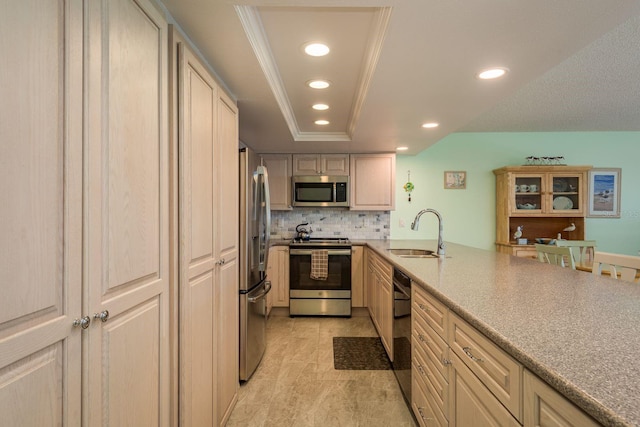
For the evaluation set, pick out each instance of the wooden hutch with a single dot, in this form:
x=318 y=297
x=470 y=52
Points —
x=544 y=200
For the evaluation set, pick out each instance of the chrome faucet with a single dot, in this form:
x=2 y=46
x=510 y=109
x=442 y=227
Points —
x=416 y=223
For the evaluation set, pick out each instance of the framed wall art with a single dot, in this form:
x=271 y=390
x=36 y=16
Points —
x=455 y=180
x=604 y=193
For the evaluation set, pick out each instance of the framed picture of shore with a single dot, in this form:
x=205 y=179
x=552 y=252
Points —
x=455 y=180
x=604 y=193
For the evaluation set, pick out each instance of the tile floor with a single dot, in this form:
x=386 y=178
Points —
x=296 y=384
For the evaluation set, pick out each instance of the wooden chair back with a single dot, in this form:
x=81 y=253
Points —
x=624 y=267
x=551 y=254
x=583 y=250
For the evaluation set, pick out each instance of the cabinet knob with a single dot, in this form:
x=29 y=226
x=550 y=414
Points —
x=103 y=316
x=83 y=322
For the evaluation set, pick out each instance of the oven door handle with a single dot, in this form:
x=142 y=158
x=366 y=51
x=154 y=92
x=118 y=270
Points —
x=331 y=252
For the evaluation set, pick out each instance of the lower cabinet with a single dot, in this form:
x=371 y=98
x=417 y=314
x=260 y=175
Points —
x=461 y=378
x=379 y=287
x=357 y=277
x=546 y=407
x=471 y=401
x=278 y=274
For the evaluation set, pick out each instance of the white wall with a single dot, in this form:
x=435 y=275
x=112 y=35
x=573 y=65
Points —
x=469 y=215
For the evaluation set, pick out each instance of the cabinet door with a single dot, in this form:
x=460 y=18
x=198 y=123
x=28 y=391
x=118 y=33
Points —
x=126 y=200
x=471 y=403
x=566 y=193
x=279 y=265
x=226 y=249
x=386 y=316
x=543 y=406
x=357 y=279
x=335 y=164
x=372 y=181
x=41 y=211
x=197 y=138
x=279 y=170
x=306 y=164
x=528 y=192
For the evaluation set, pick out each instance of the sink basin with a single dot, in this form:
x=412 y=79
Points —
x=413 y=253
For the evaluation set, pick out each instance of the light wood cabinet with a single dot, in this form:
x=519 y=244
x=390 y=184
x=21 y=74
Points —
x=472 y=404
x=279 y=170
x=227 y=249
x=84 y=215
x=208 y=224
x=357 y=277
x=498 y=371
x=278 y=274
x=430 y=356
x=320 y=164
x=543 y=406
x=380 y=298
x=543 y=200
x=459 y=376
x=372 y=181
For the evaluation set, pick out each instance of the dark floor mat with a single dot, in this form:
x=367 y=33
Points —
x=359 y=353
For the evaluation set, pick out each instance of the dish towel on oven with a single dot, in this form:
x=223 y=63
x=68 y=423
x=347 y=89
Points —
x=319 y=264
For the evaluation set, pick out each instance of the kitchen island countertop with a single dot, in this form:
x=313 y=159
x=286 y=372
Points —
x=578 y=332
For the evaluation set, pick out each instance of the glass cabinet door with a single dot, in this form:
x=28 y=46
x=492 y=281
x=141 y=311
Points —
x=528 y=193
x=566 y=193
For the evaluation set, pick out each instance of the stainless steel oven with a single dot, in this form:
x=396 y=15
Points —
x=312 y=297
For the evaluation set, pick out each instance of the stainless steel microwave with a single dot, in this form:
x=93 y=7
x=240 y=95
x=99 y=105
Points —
x=323 y=191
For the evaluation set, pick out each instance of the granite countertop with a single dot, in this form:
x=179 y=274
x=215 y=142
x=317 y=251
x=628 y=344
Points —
x=578 y=332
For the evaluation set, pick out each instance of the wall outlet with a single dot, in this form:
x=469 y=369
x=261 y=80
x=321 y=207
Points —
x=401 y=223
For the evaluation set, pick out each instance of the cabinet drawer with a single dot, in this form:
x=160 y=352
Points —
x=525 y=252
x=546 y=407
x=432 y=310
x=496 y=369
x=435 y=384
x=424 y=412
x=434 y=347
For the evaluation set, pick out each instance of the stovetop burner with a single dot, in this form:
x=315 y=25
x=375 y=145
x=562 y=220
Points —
x=322 y=241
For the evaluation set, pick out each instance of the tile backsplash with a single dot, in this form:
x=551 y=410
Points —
x=328 y=222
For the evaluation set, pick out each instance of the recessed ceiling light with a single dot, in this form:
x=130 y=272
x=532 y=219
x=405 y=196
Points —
x=316 y=49
x=402 y=148
x=430 y=125
x=492 y=73
x=320 y=107
x=322 y=122
x=318 y=84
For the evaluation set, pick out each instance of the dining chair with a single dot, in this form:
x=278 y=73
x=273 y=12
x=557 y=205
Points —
x=551 y=254
x=583 y=250
x=624 y=267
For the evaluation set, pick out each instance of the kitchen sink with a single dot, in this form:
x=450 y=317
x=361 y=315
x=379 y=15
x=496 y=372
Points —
x=413 y=253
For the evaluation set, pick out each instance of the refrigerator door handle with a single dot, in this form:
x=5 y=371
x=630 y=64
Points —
x=263 y=188
x=267 y=288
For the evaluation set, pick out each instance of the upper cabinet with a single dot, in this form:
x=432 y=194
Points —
x=373 y=181
x=279 y=171
x=547 y=193
x=543 y=201
x=320 y=164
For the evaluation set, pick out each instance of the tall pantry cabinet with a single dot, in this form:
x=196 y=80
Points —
x=85 y=248
x=207 y=187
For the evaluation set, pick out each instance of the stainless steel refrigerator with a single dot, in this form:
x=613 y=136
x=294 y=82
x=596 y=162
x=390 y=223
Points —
x=255 y=228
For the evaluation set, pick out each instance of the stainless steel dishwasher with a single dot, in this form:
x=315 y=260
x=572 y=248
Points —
x=402 y=332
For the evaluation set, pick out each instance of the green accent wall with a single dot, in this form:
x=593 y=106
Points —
x=469 y=214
